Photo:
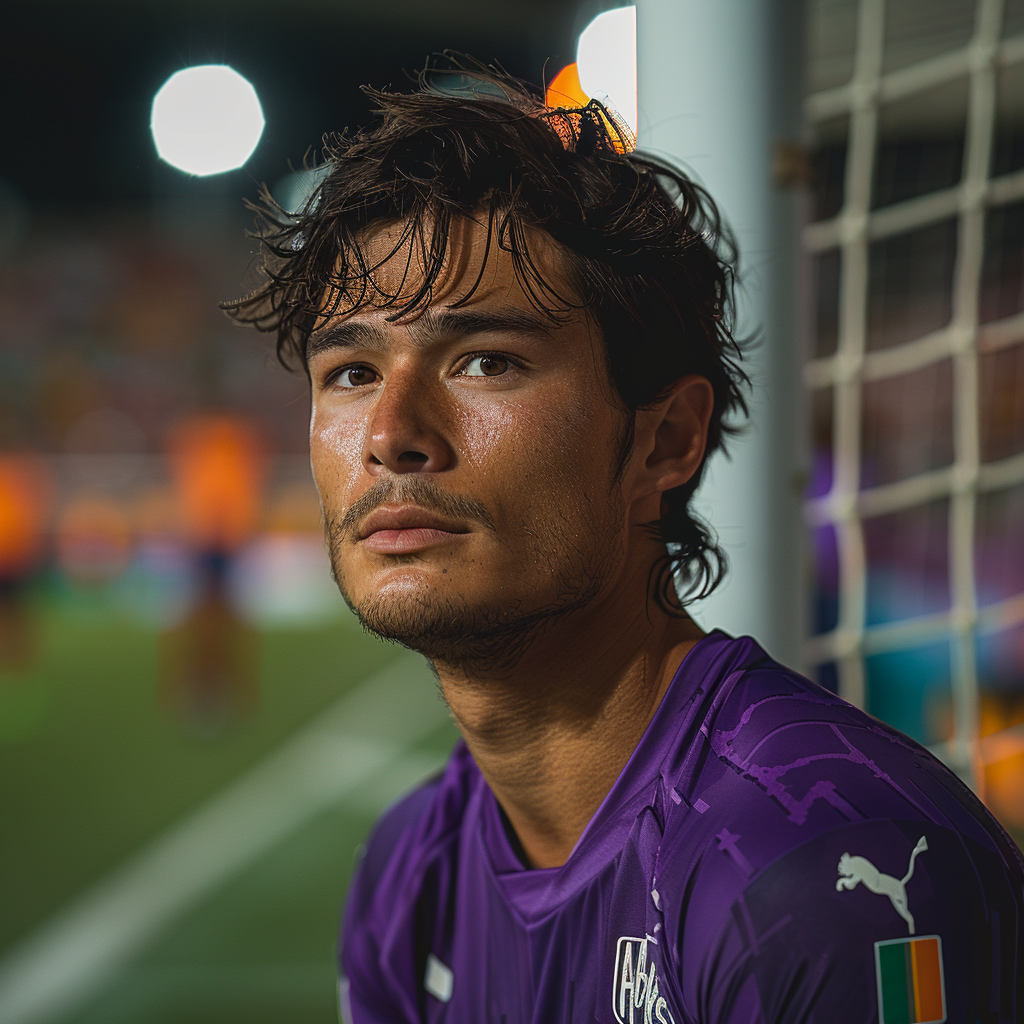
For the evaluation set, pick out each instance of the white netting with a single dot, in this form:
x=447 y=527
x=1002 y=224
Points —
x=963 y=340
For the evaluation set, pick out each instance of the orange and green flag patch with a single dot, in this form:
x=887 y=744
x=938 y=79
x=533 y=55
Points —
x=911 y=989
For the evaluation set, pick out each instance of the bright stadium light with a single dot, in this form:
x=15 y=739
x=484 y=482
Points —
x=206 y=120
x=606 y=61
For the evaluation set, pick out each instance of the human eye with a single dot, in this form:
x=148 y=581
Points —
x=487 y=364
x=350 y=377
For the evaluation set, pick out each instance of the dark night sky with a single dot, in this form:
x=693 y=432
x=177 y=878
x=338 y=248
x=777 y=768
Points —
x=79 y=77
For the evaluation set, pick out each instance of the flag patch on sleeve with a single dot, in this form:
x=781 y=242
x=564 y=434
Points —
x=911 y=987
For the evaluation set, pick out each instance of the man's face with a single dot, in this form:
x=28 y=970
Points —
x=465 y=459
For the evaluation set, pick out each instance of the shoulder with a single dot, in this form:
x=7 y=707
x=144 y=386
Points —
x=393 y=827
x=892 y=910
x=411 y=832
x=767 y=741
x=801 y=835
x=410 y=847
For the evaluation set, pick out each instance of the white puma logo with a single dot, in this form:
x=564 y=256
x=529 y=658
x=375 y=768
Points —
x=853 y=870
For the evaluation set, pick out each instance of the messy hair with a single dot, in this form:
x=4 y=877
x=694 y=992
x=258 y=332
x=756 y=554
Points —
x=642 y=247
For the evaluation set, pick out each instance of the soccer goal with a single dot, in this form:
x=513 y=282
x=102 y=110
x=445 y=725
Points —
x=917 y=377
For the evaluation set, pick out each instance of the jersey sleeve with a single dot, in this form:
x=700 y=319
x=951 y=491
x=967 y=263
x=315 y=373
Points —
x=889 y=921
x=370 y=954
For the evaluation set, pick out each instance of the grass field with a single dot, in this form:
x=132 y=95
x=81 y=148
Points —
x=95 y=764
x=261 y=949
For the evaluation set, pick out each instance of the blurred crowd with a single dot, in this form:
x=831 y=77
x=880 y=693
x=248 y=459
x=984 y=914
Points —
x=152 y=459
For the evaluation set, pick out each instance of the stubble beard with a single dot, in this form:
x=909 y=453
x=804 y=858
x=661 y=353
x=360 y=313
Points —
x=481 y=638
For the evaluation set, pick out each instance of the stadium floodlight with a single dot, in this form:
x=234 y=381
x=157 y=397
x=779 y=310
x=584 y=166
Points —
x=606 y=61
x=206 y=120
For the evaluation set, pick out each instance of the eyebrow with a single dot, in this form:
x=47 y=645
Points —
x=430 y=327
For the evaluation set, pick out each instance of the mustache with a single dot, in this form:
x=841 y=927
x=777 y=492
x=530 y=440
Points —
x=413 y=489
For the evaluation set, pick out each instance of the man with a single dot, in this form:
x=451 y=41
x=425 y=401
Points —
x=518 y=339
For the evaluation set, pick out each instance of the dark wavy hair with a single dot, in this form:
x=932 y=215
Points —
x=643 y=249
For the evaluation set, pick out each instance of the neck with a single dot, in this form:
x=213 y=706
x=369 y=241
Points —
x=552 y=734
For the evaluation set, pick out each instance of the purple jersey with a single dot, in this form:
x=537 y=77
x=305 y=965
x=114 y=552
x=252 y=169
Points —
x=768 y=854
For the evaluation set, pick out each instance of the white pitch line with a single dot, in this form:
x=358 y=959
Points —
x=341 y=755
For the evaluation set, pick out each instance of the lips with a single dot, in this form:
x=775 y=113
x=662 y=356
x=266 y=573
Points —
x=405 y=529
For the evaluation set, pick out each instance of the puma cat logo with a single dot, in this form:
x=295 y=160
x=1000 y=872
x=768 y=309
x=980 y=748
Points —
x=854 y=870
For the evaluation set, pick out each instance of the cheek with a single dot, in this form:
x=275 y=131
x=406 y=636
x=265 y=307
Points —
x=492 y=435
x=335 y=455
x=526 y=450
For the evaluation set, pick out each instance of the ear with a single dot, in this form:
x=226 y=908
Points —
x=674 y=434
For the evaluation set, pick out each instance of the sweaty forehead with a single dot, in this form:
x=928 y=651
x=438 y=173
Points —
x=475 y=260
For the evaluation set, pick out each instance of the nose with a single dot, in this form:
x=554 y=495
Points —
x=406 y=431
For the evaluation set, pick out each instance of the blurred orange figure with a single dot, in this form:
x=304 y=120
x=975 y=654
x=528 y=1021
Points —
x=211 y=660
x=218 y=468
x=26 y=490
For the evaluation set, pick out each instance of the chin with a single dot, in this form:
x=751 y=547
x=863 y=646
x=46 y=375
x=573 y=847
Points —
x=459 y=633
x=473 y=625
x=437 y=627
